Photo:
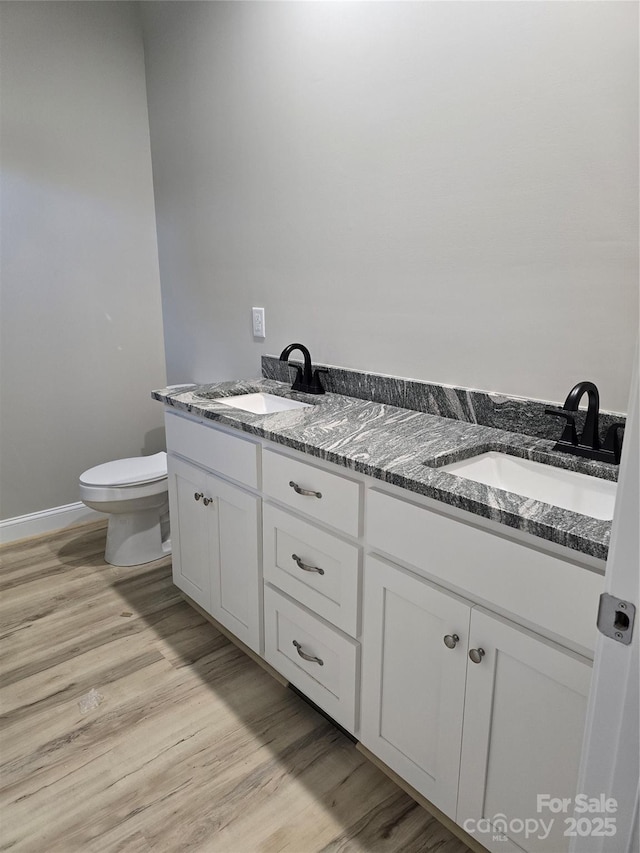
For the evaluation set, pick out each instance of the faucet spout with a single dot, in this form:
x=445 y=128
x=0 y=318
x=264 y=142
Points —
x=590 y=437
x=286 y=352
x=307 y=379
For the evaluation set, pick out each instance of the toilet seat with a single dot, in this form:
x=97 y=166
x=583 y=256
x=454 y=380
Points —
x=122 y=493
x=126 y=472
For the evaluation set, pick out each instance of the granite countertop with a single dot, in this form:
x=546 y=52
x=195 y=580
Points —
x=407 y=448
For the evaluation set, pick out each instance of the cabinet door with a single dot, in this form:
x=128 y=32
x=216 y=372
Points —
x=412 y=683
x=236 y=581
x=523 y=726
x=189 y=537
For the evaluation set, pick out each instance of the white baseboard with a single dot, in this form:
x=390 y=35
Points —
x=35 y=523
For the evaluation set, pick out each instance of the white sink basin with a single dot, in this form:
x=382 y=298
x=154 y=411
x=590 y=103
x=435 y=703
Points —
x=568 y=489
x=261 y=404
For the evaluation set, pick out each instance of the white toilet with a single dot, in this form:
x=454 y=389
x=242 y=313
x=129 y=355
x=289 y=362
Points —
x=134 y=492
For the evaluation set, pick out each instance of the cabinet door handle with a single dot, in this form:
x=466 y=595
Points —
x=300 y=491
x=305 y=656
x=197 y=496
x=476 y=655
x=451 y=640
x=207 y=501
x=305 y=566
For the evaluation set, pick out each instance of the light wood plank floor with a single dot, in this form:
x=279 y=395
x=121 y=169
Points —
x=130 y=724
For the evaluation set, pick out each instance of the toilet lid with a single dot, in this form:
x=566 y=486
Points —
x=127 y=472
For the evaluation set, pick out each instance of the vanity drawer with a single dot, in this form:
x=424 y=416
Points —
x=332 y=590
x=538 y=589
x=230 y=455
x=330 y=678
x=335 y=499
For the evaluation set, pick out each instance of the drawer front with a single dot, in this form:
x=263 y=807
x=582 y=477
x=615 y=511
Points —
x=540 y=589
x=324 y=577
x=335 y=499
x=233 y=457
x=292 y=635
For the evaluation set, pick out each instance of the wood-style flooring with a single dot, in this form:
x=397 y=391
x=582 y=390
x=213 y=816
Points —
x=129 y=723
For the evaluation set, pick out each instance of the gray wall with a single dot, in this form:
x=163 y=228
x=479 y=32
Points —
x=444 y=191
x=82 y=342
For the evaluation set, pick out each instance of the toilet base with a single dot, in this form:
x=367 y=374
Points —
x=137 y=537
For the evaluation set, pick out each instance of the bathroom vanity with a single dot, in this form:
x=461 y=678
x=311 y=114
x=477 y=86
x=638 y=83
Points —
x=455 y=645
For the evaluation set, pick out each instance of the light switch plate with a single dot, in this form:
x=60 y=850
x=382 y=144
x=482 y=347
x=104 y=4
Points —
x=258 y=322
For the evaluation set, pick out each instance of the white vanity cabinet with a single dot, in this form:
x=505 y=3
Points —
x=479 y=714
x=215 y=527
x=457 y=655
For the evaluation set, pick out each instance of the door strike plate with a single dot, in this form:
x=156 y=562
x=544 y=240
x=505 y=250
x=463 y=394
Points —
x=616 y=618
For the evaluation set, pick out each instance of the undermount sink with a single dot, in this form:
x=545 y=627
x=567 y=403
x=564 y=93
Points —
x=261 y=403
x=567 y=489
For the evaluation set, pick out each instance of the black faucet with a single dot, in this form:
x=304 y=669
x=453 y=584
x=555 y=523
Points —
x=307 y=379
x=588 y=444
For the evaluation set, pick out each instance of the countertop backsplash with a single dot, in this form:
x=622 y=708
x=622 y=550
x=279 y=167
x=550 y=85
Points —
x=491 y=409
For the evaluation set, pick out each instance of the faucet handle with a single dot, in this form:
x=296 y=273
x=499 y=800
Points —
x=569 y=434
x=298 y=382
x=613 y=442
x=316 y=386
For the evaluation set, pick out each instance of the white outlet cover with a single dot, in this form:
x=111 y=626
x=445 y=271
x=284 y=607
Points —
x=257 y=316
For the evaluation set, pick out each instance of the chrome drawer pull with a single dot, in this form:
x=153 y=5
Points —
x=197 y=496
x=207 y=501
x=305 y=566
x=476 y=655
x=451 y=640
x=300 y=491
x=305 y=656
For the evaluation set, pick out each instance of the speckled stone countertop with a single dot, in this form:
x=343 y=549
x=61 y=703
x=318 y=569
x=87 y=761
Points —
x=407 y=448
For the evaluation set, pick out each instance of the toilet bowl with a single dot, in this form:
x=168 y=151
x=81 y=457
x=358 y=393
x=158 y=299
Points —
x=134 y=493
